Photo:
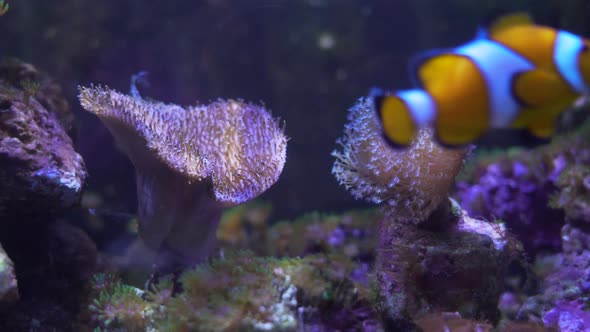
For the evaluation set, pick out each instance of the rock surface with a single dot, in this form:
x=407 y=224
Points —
x=41 y=171
x=8 y=284
x=421 y=271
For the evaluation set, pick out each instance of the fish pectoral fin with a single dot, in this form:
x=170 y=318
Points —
x=502 y=22
x=539 y=88
x=396 y=120
x=543 y=126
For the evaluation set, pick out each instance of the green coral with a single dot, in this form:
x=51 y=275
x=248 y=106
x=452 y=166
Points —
x=118 y=304
x=239 y=292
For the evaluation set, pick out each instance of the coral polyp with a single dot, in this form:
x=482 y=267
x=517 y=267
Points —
x=410 y=183
x=235 y=293
x=120 y=305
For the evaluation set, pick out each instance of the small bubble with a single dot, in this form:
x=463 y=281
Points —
x=326 y=41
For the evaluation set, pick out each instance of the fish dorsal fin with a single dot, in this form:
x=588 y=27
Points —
x=505 y=21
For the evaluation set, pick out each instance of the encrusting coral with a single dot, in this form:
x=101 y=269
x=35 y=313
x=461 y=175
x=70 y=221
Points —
x=411 y=182
x=190 y=162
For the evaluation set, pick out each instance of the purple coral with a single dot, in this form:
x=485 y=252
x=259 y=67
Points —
x=191 y=162
x=517 y=193
x=533 y=191
x=568 y=316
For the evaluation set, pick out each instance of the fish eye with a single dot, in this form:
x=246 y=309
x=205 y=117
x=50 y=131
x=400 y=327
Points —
x=584 y=48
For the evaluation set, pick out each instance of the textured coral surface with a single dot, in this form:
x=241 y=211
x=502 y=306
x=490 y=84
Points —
x=190 y=162
x=410 y=183
x=239 y=146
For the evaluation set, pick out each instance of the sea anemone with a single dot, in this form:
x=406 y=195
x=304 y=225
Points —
x=190 y=162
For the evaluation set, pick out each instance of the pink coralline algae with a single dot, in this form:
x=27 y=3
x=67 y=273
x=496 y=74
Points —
x=190 y=162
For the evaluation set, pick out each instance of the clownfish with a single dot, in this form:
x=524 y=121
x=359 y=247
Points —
x=494 y=81
x=562 y=63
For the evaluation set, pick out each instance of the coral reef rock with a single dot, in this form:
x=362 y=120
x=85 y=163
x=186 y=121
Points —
x=450 y=321
x=41 y=172
x=8 y=284
x=565 y=290
x=53 y=266
x=39 y=85
x=460 y=268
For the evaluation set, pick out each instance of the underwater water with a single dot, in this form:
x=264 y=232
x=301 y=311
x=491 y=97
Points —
x=218 y=165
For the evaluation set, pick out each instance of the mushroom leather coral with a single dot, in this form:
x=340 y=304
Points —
x=191 y=162
x=411 y=182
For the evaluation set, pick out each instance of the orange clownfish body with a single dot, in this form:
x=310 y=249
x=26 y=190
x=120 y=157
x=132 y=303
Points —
x=562 y=62
x=500 y=80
